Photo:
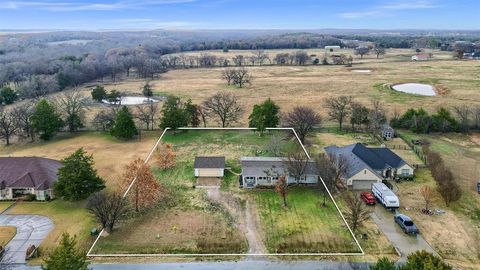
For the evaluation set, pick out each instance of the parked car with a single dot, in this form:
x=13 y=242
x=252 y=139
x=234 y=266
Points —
x=406 y=224
x=368 y=198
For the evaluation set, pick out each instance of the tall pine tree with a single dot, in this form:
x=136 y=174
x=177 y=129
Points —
x=124 y=126
x=66 y=256
x=77 y=179
x=46 y=120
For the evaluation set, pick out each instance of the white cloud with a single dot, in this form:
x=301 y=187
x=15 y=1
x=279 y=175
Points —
x=388 y=9
x=81 y=5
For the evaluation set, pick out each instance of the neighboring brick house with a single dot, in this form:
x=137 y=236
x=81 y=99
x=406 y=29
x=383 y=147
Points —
x=369 y=165
x=21 y=176
x=265 y=171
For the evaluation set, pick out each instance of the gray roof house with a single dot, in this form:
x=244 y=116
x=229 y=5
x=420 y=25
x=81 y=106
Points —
x=369 y=165
x=27 y=175
x=265 y=171
x=209 y=166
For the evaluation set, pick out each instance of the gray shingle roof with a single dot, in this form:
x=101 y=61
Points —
x=359 y=157
x=259 y=166
x=209 y=162
x=28 y=172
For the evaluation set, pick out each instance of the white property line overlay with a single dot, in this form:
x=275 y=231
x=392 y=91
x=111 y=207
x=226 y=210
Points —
x=361 y=253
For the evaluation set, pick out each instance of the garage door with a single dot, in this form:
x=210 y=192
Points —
x=362 y=184
x=210 y=172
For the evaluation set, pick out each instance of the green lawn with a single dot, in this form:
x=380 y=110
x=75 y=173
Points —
x=304 y=226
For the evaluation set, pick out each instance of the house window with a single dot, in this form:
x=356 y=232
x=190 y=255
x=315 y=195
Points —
x=274 y=179
x=263 y=179
x=405 y=172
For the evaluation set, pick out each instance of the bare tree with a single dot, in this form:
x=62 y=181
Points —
x=339 y=108
x=228 y=75
x=261 y=56
x=326 y=171
x=339 y=166
x=105 y=119
x=426 y=193
x=239 y=60
x=108 y=207
x=295 y=163
x=361 y=50
x=463 y=112
x=274 y=146
x=377 y=117
x=72 y=105
x=356 y=212
x=8 y=125
x=476 y=117
x=303 y=120
x=281 y=187
x=242 y=76
x=147 y=114
x=301 y=57
x=379 y=50
x=225 y=106
x=23 y=113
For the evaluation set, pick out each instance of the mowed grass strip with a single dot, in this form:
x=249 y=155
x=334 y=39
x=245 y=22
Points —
x=305 y=226
x=6 y=234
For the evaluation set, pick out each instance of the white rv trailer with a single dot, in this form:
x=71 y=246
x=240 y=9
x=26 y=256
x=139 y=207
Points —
x=385 y=196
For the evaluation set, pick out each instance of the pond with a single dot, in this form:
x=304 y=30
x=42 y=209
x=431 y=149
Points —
x=415 y=88
x=362 y=70
x=130 y=100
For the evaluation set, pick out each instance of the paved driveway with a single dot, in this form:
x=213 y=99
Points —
x=404 y=243
x=31 y=230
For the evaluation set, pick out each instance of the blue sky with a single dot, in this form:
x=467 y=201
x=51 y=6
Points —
x=239 y=14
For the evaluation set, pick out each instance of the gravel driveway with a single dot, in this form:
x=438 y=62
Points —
x=404 y=243
x=31 y=230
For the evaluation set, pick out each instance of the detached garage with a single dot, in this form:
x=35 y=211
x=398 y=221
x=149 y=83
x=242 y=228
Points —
x=209 y=166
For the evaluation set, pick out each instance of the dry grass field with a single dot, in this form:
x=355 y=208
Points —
x=290 y=86
x=6 y=234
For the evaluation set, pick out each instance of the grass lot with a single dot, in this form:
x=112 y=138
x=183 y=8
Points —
x=456 y=234
x=6 y=234
x=310 y=85
x=304 y=226
x=4 y=206
x=68 y=217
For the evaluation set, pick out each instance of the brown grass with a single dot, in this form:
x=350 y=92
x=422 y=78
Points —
x=6 y=234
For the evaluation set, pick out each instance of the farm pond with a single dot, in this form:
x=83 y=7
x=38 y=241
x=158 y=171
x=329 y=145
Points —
x=415 y=88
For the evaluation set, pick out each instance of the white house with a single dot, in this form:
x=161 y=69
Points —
x=265 y=171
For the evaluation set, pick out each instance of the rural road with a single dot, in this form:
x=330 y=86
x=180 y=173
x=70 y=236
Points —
x=31 y=230
x=404 y=243
x=240 y=265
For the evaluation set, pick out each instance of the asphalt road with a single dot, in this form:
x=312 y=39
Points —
x=240 y=265
x=404 y=243
x=31 y=230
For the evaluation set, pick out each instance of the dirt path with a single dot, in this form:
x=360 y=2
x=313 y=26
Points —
x=246 y=219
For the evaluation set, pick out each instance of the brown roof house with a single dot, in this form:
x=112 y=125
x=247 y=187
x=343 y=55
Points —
x=20 y=176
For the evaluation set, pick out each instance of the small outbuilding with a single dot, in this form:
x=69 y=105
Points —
x=209 y=166
x=388 y=133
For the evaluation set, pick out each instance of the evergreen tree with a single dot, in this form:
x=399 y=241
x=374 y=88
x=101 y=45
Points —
x=66 y=256
x=46 y=120
x=124 y=126
x=422 y=260
x=443 y=121
x=77 y=179
x=99 y=93
x=193 y=111
x=383 y=264
x=174 y=114
x=7 y=95
x=147 y=90
x=264 y=115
